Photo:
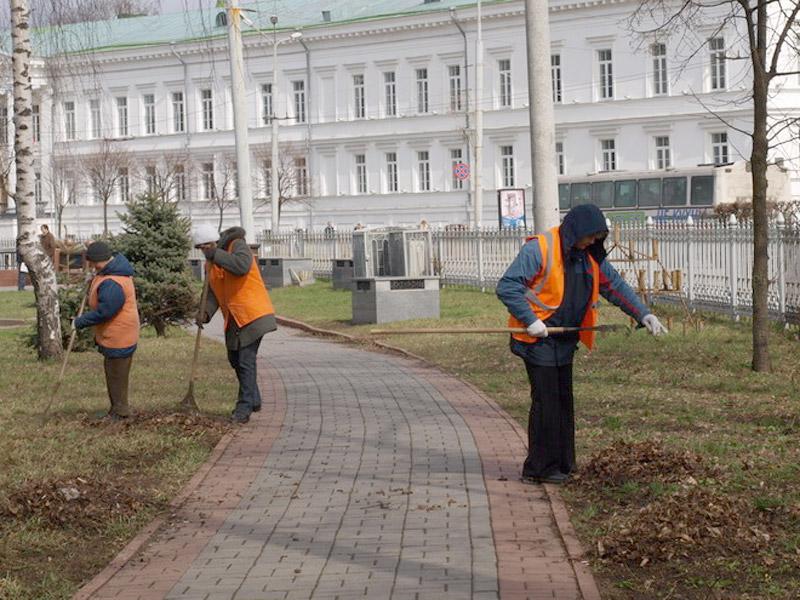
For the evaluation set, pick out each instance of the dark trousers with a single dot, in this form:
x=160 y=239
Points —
x=243 y=361
x=551 y=421
x=117 y=372
x=22 y=280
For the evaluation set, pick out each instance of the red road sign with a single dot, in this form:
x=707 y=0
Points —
x=461 y=171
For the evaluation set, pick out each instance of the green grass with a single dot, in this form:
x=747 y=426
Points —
x=151 y=458
x=692 y=390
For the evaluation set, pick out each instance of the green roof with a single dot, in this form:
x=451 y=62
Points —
x=201 y=24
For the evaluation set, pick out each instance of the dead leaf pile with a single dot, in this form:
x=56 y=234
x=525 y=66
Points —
x=184 y=423
x=74 y=503
x=642 y=462
x=690 y=524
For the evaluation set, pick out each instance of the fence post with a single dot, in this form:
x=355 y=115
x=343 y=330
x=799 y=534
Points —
x=649 y=249
x=690 y=260
x=479 y=237
x=781 y=233
x=733 y=263
x=439 y=253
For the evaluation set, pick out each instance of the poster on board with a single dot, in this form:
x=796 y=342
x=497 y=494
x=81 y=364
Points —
x=511 y=207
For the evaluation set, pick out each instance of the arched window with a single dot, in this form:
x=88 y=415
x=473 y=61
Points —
x=222 y=19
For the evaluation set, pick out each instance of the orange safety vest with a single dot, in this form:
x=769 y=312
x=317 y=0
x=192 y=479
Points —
x=121 y=330
x=546 y=290
x=245 y=297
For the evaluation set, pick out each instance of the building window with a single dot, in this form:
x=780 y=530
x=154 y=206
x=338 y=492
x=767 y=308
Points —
x=359 y=97
x=95 y=119
x=37 y=193
x=663 y=155
x=299 y=88
x=267 y=174
x=507 y=158
x=3 y=121
x=124 y=185
x=659 y=52
x=555 y=73
x=716 y=48
x=454 y=76
x=149 y=101
x=122 y=117
x=361 y=174
x=719 y=148
x=150 y=179
x=422 y=90
x=560 y=158
x=606 y=75
x=179 y=183
x=266 y=103
x=178 y=113
x=456 y=157
x=207 y=176
x=390 y=93
x=504 y=67
x=301 y=175
x=207 y=109
x=37 y=124
x=69 y=120
x=391 y=172
x=609 y=155
x=423 y=171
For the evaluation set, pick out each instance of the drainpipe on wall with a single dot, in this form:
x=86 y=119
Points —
x=309 y=170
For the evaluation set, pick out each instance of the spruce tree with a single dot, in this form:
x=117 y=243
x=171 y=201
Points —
x=156 y=241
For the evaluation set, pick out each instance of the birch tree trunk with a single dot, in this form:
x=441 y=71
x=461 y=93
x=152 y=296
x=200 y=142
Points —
x=40 y=267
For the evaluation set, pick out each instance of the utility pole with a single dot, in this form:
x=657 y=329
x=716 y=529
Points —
x=542 y=117
x=467 y=107
x=240 y=119
x=275 y=172
x=476 y=176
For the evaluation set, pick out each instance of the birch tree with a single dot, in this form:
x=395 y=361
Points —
x=42 y=272
x=767 y=39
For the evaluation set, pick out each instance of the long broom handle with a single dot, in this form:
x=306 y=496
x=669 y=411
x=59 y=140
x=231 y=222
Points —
x=201 y=315
x=550 y=330
x=70 y=344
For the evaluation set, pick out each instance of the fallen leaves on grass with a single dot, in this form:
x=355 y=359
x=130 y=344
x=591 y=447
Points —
x=75 y=503
x=185 y=423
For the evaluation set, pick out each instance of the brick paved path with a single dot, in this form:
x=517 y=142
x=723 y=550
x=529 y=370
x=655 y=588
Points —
x=365 y=476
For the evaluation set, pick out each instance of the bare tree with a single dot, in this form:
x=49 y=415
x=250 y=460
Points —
x=169 y=176
x=6 y=160
x=104 y=169
x=293 y=179
x=40 y=267
x=219 y=186
x=766 y=42
x=62 y=181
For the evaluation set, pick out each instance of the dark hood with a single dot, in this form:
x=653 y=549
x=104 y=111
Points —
x=583 y=220
x=119 y=265
x=230 y=234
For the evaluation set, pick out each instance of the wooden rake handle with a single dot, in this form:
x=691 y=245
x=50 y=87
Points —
x=550 y=330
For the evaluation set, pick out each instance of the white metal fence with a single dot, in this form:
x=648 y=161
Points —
x=714 y=259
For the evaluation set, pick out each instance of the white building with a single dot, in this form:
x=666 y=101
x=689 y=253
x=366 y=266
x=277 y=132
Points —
x=372 y=102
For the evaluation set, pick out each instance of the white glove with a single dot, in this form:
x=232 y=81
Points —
x=653 y=325
x=537 y=329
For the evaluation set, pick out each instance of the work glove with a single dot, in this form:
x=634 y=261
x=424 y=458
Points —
x=653 y=325
x=72 y=326
x=537 y=329
x=209 y=252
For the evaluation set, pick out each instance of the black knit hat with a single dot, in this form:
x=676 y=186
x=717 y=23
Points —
x=98 y=252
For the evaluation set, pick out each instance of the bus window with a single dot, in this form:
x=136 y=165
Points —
x=625 y=193
x=580 y=193
x=649 y=192
x=603 y=193
x=563 y=196
x=702 y=190
x=675 y=191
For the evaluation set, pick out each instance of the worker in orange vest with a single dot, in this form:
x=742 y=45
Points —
x=114 y=315
x=236 y=288
x=556 y=281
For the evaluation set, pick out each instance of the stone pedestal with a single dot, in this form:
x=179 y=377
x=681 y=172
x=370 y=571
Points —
x=342 y=273
x=277 y=271
x=387 y=299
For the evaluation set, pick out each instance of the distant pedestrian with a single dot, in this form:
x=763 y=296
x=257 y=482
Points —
x=555 y=281
x=236 y=288
x=329 y=230
x=114 y=315
x=22 y=272
x=48 y=241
